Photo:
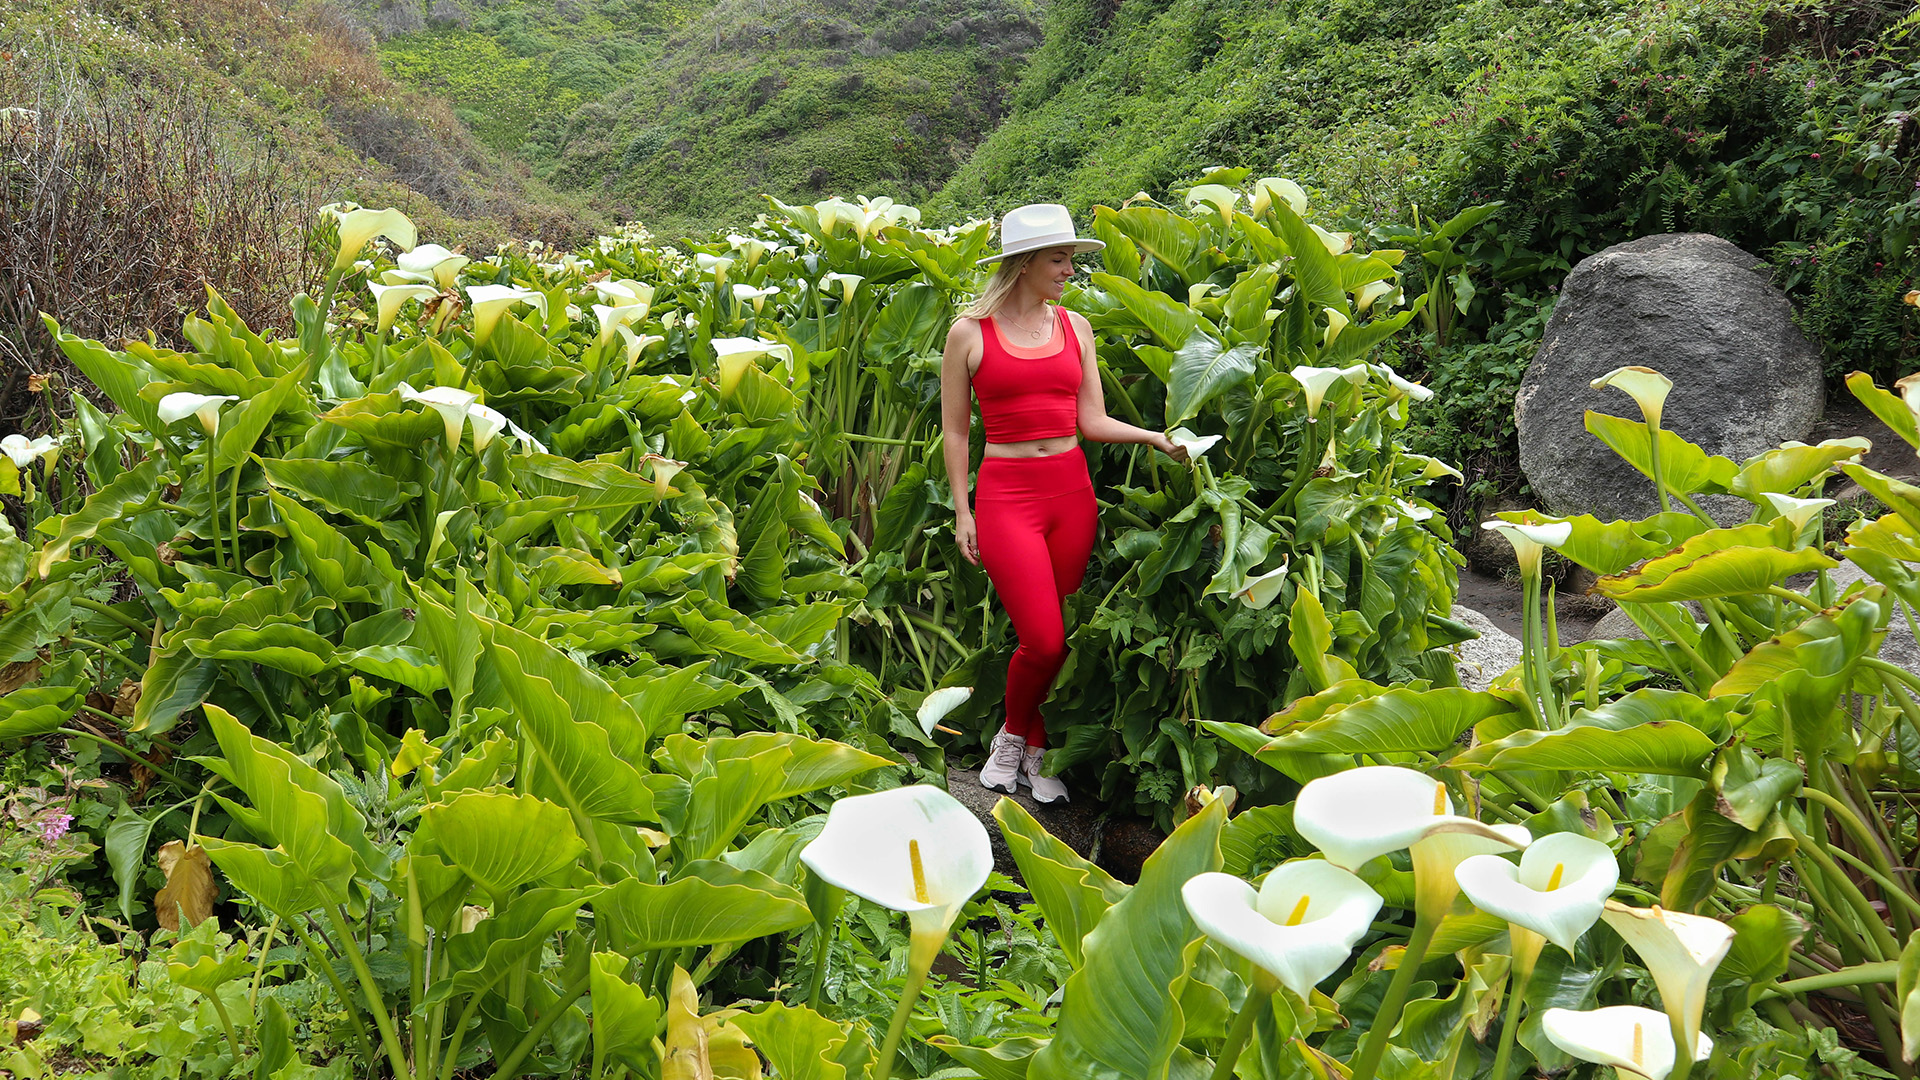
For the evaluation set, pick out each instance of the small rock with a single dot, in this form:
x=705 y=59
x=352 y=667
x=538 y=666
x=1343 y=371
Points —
x=1487 y=657
x=1616 y=625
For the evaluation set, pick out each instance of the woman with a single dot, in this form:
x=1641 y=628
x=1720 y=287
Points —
x=1031 y=364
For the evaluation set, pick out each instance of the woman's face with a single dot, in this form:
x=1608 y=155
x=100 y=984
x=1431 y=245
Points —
x=1048 y=271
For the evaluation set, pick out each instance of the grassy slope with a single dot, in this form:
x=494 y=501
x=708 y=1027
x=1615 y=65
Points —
x=297 y=83
x=684 y=114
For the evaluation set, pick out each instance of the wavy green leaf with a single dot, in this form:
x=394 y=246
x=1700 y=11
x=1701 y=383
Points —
x=502 y=841
x=1716 y=563
x=1685 y=466
x=1072 y=893
x=713 y=904
x=1397 y=720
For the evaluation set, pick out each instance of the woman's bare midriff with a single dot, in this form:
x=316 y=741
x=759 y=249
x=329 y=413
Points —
x=1033 y=447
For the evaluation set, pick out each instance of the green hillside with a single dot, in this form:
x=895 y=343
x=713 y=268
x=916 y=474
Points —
x=684 y=114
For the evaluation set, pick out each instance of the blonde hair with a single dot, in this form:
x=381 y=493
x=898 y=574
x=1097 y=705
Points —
x=1001 y=285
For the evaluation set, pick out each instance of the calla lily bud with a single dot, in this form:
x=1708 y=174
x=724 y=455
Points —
x=1271 y=189
x=1218 y=196
x=1647 y=387
x=1558 y=890
x=437 y=264
x=940 y=703
x=1635 y=1041
x=913 y=849
x=1318 y=380
x=1259 y=591
x=1798 y=511
x=849 y=284
x=489 y=302
x=358 y=225
x=1531 y=541
x=178 y=406
x=1336 y=321
x=1679 y=950
x=388 y=299
x=1300 y=927
x=755 y=296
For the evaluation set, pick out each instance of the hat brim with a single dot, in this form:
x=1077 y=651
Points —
x=1080 y=246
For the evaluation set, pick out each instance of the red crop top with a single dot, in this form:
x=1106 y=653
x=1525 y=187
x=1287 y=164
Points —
x=1029 y=397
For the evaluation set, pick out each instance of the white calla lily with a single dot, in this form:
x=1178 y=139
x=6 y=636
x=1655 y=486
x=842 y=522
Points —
x=24 y=451
x=717 y=265
x=661 y=470
x=751 y=249
x=913 y=849
x=1530 y=542
x=489 y=302
x=1318 y=380
x=736 y=353
x=438 y=264
x=1798 y=511
x=939 y=703
x=1680 y=951
x=358 y=225
x=1414 y=511
x=1300 y=927
x=1336 y=243
x=1635 y=1041
x=1219 y=196
x=1361 y=814
x=388 y=299
x=1259 y=591
x=452 y=403
x=1432 y=468
x=1271 y=189
x=755 y=295
x=636 y=343
x=1647 y=387
x=1195 y=445
x=614 y=319
x=849 y=284
x=178 y=406
x=1400 y=386
x=834 y=211
x=1336 y=321
x=624 y=292
x=1365 y=295
x=486 y=423
x=1557 y=891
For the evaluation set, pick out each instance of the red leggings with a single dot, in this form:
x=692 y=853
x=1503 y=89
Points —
x=1036 y=519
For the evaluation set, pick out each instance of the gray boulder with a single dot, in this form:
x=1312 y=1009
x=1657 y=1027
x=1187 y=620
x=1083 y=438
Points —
x=1487 y=657
x=1693 y=307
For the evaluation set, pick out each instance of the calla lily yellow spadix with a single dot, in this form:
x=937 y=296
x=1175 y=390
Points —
x=358 y=225
x=178 y=406
x=1318 y=380
x=1557 y=891
x=489 y=302
x=1647 y=387
x=1680 y=951
x=915 y=850
x=1636 y=1041
x=388 y=300
x=939 y=703
x=1300 y=927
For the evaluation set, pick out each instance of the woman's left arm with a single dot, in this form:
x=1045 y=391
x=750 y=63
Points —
x=1095 y=424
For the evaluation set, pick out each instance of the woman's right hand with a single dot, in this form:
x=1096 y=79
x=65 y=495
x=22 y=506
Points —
x=968 y=539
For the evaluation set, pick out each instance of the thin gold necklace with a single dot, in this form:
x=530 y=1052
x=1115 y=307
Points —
x=1034 y=334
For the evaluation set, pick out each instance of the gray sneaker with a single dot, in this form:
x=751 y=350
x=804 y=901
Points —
x=1046 y=789
x=1002 y=770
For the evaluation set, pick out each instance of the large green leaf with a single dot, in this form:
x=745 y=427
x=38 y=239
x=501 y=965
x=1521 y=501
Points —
x=1173 y=241
x=245 y=423
x=1684 y=466
x=713 y=904
x=908 y=324
x=576 y=753
x=1122 y=1019
x=1890 y=408
x=1203 y=369
x=502 y=841
x=1072 y=893
x=338 y=566
x=1716 y=563
x=582 y=692
x=35 y=710
x=1750 y=787
x=136 y=488
x=283 y=789
x=803 y=1045
x=368 y=495
x=1667 y=747
x=626 y=1019
x=1167 y=319
x=1787 y=469
x=1763 y=939
x=276 y=645
x=1398 y=720
x=1899 y=496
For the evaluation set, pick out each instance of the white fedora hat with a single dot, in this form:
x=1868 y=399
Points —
x=1037 y=226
